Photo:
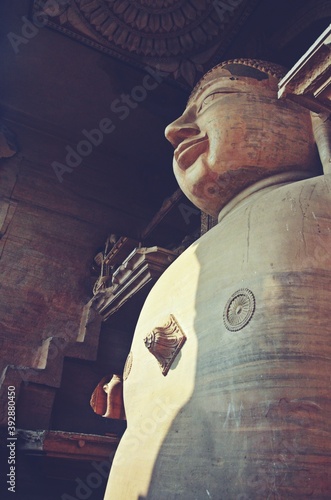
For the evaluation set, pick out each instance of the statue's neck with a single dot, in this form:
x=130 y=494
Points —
x=263 y=185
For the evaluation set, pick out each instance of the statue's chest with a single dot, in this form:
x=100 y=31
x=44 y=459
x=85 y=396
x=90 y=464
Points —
x=231 y=355
x=252 y=289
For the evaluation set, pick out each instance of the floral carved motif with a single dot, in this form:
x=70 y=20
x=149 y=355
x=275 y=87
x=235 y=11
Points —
x=165 y=343
x=239 y=309
x=179 y=37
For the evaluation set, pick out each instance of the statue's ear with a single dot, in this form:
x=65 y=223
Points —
x=322 y=133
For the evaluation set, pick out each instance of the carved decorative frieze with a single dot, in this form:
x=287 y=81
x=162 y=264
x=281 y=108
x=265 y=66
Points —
x=239 y=309
x=165 y=342
x=182 y=38
x=143 y=266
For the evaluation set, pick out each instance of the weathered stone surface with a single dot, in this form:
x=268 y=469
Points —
x=244 y=410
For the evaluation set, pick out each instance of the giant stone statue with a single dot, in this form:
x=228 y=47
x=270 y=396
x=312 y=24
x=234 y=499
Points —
x=227 y=387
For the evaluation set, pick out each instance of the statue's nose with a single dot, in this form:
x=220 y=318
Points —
x=179 y=130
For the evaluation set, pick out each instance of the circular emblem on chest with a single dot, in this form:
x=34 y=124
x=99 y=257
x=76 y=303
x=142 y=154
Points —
x=239 y=309
x=127 y=366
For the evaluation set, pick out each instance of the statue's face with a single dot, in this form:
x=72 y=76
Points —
x=234 y=132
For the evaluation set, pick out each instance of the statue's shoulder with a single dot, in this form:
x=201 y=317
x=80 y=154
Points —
x=307 y=197
x=314 y=188
x=323 y=181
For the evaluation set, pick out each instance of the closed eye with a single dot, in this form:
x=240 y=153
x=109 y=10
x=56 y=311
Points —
x=211 y=97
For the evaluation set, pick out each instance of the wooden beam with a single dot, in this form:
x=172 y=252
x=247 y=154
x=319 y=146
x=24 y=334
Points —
x=309 y=81
x=67 y=445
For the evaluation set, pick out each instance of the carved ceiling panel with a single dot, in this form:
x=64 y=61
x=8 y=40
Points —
x=183 y=38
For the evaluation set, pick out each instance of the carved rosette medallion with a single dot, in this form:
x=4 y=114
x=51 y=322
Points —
x=183 y=38
x=165 y=342
x=128 y=366
x=239 y=309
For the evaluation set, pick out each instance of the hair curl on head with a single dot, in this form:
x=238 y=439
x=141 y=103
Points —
x=274 y=70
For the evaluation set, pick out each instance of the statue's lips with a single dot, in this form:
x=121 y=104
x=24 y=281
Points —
x=188 y=152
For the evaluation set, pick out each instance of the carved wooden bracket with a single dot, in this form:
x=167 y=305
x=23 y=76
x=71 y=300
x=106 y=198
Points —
x=142 y=266
x=165 y=342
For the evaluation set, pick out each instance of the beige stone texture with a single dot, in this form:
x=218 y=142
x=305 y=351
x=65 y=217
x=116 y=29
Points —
x=244 y=411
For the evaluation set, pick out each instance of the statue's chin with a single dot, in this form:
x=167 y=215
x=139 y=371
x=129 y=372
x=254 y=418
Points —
x=211 y=196
x=211 y=205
